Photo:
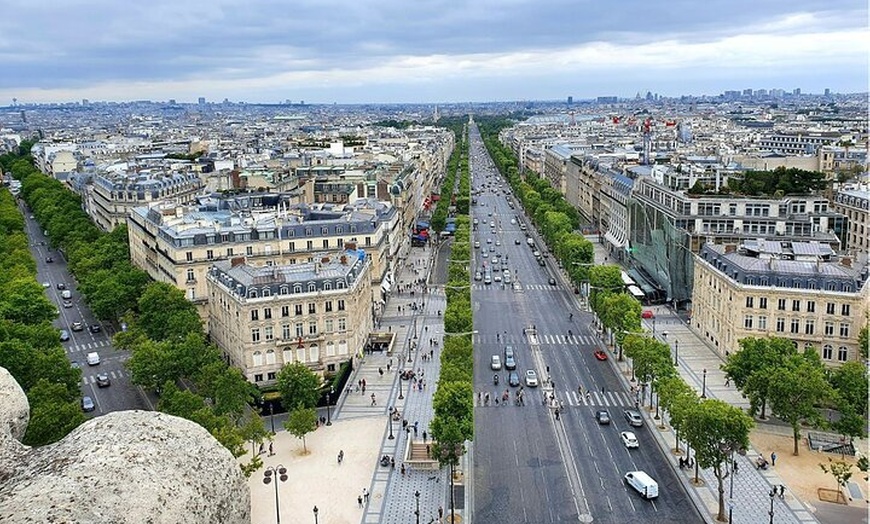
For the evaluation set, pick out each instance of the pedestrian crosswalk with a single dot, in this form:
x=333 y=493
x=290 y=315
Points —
x=90 y=346
x=515 y=287
x=543 y=340
x=608 y=399
x=113 y=375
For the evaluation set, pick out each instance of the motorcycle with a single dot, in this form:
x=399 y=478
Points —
x=495 y=379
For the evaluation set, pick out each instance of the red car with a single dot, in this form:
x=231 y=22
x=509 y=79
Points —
x=647 y=313
x=600 y=355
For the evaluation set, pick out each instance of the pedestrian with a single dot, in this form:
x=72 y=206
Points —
x=440 y=512
x=381 y=371
x=365 y=495
x=734 y=466
x=262 y=450
x=415 y=431
x=271 y=451
x=374 y=402
x=727 y=382
x=773 y=458
x=428 y=454
x=359 y=501
x=425 y=436
x=392 y=463
x=781 y=490
x=402 y=469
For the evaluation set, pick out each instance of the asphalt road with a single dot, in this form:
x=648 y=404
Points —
x=529 y=467
x=121 y=394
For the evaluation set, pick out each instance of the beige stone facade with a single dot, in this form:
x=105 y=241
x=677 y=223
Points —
x=111 y=197
x=317 y=313
x=854 y=202
x=784 y=303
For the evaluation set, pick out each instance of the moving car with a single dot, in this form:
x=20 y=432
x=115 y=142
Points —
x=517 y=241
x=93 y=358
x=95 y=328
x=64 y=335
x=513 y=379
x=629 y=439
x=495 y=362
x=87 y=403
x=61 y=285
x=46 y=284
x=67 y=304
x=478 y=276
x=600 y=355
x=77 y=326
x=602 y=416
x=103 y=380
x=531 y=378
x=49 y=260
x=510 y=362
x=647 y=313
x=643 y=484
x=632 y=416
x=552 y=281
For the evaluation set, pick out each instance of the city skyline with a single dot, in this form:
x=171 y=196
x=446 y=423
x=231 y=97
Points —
x=426 y=52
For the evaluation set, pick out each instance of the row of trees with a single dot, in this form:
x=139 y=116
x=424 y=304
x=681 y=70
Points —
x=170 y=352
x=796 y=385
x=453 y=402
x=456 y=168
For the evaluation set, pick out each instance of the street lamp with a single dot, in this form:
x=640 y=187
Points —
x=676 y=351
x=316 y=511
x=417 y=512
x=391 y=437
x=328 y=399
x=704 y=383
x=272 y=416
x=771 y=494
x=275 y=473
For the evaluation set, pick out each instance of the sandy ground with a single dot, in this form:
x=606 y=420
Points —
x=802 y=474
x=316 y=478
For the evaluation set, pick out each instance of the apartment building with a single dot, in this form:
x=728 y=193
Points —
x=798 y=142
x=853 y=201
x=795 y=290
x=111 y=196
x=265 y=317
x=179 y=244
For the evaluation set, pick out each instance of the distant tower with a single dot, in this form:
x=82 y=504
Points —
x=14 y=102
x=435 y=115
x=201 y=101
x=570 y=100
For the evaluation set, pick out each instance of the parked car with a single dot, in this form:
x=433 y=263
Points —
x=632 y=416
x=88 y=403
x=602 y=416
x=629 y=439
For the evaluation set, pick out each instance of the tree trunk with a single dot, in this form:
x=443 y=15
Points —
x=677 y=449
x=718 y=472
x=796 y=429
x=763 y=406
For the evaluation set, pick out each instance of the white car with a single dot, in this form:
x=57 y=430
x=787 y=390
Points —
x=531 y=378
x=629 y=439
x=495 y=362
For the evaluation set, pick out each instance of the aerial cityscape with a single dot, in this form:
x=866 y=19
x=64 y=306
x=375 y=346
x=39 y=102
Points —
x=499 y=262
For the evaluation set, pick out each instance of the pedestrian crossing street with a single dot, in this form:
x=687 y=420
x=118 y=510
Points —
x=113 y=375
x=586 y=340
x=608 y=399
x=90 y=346
x=516 y=287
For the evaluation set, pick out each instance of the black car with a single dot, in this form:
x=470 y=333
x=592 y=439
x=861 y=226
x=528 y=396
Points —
x=602 y=416
x=95 y=328
x=61 y=285
x=49 y=260
x=103 y=380
x=552 y=281
x=513 y=379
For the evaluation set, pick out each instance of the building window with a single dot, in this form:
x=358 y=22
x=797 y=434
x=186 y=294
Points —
x=312 y=287
x=811 y=306
x=828 y=352
x=255 y=314
x=844 y=330
x=795 y=305
x=255 y=335
x=309 y=245
x=831 y=308
x=810 y=327
x=341 y=305
x=271 y=375
x=312 y=328
x=285 y=311
x=325 y=243
x=267 y=313
x=190 y=274
x=291 y=246
x=780 y=304
x=300 y=330
x=747 y=322
x=258 y=377
x=209 y=254
x=249 y=250
x=298 y=309
x=270 y=356
x=329 y=325
x=285 y=331
x=327 y=286
x=762 y=302
x=749 y=301
x=328 y=306
x=342 y=324
x=258 y=358
x=268 y=334
x=762 y=322
x=368 y=241
x=780 y=325
x=842 y=353
x=297 y=288
x=845 y=310
x=829 y=329
x=795 y=325
x=312 y=308
x=189 y=256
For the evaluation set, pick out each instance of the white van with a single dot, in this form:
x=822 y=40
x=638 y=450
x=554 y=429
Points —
x=66 y=294
x=643 y=484
x=93 y=358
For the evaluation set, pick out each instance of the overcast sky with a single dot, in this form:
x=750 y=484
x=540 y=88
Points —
x=356 y=51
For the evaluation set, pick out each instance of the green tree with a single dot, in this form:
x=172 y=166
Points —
x=795 y=389
x=455 y=400
x=840 y=470
x=715 y=429
x=863 y=342
x=678 y=399
x=52 y=414
x=621 y=315
x=751 y=368
x=299 y=386
x=165 y=313
x=300 y=422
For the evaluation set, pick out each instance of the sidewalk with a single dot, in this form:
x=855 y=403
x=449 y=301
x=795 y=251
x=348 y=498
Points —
x=751 y=499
